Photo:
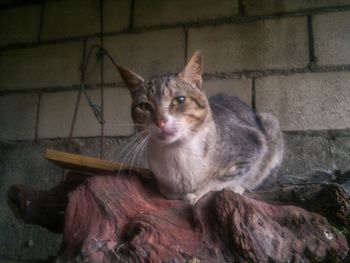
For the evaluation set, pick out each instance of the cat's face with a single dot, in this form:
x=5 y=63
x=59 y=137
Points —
x=169 y=109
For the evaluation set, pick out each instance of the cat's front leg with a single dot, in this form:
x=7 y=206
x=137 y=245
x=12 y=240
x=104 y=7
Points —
x=215 y=185
x=191 y=198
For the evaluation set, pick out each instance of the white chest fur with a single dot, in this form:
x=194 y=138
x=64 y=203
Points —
x=179 y=169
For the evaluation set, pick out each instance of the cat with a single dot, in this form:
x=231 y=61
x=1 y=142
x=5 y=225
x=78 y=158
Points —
x=198 y=144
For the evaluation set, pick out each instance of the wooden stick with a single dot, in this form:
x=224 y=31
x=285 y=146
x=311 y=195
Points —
x=88 y=164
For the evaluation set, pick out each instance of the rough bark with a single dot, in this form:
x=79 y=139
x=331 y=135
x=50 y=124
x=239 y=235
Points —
x=124 y=219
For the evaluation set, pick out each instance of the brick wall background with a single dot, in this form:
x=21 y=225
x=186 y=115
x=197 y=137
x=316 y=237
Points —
x=288 y=57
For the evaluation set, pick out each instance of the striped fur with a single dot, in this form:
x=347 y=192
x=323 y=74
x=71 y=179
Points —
x=198 y=145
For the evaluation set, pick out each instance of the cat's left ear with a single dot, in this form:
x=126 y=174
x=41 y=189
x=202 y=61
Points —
x=193 y=71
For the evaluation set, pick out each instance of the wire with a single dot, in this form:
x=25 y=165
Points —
x=98 y=110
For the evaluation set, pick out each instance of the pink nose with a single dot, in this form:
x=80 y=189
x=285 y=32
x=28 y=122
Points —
x=160 y=123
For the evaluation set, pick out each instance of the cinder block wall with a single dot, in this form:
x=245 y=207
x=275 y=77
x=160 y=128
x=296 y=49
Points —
x=288 y=57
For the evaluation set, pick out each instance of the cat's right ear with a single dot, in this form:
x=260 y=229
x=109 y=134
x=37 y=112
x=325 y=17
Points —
x=133 y=81
x=193 y=71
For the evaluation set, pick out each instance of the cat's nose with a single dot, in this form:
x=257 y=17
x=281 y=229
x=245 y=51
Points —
x=160 y=123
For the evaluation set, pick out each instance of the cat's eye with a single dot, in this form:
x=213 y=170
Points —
x=178 y=101
x=144 y=106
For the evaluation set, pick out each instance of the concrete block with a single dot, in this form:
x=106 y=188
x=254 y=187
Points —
x=56 y=113
x=116 y=15
x=313 y=101
x=269 y=7
x=242 y=89
x=332 y=38
x=305 y=152
x=18 y=116
x=150 y=53
x=263 y=44
x=340 y=150
x=316 y=150
x=158 y=12
x=66 y=18
x=20 y=25
x=51 y=65
x=118 y=112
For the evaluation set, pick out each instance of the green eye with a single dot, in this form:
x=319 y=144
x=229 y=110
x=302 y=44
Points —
x=178 y=100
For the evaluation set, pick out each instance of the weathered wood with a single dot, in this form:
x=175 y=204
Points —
x=329 y=200
x=45 y=207
x=93 y=165
x=131 y=222
x=125 y=219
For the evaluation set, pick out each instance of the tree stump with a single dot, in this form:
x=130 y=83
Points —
x=124 y=218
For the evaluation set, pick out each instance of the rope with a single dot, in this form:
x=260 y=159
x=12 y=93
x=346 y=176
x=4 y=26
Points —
x=77 y=103
x=102 y=80
x=97 y=109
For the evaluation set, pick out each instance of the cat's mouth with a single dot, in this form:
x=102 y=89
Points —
x=167 y=136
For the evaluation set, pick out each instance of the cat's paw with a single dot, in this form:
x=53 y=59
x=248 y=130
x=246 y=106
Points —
x=191 y=198
x=238 y=189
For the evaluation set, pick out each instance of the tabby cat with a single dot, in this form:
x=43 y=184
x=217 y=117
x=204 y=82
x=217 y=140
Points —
x=198 y=145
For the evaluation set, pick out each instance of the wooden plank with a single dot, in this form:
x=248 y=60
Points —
x=88 y=164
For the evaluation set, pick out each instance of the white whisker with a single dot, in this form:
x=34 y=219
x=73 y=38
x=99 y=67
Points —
x=137 y=151
x=128 y=143
x=143 y=148
x=132 y=148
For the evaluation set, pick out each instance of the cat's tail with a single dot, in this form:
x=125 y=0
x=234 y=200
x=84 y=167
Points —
x=271 y=153
x=275 y=143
